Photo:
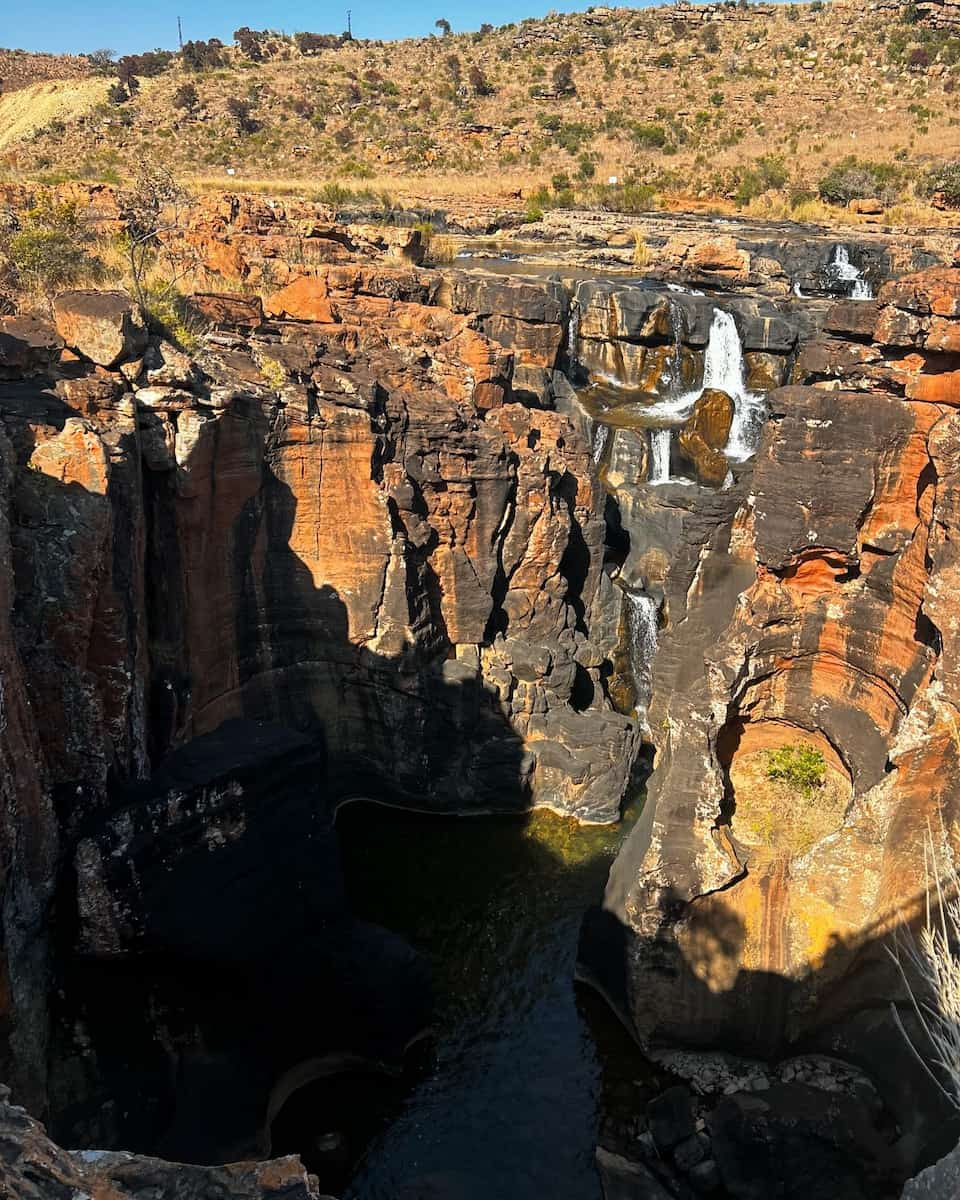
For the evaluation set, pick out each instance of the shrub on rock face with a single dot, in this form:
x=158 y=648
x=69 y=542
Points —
x=943 y=183
x=479 y=83
x=50 y=249
x=855 y=179
x=186 y=96
x=563 y=78
x=803 y=768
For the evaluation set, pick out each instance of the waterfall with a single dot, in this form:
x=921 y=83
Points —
x=843 y=270
x=723 y=368
x=573 y=335
x=642 y=626
x=600 y=435
x=678 y=323
x=659 y=471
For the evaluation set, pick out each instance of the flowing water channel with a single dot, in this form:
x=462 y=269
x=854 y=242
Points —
x=515 y=1079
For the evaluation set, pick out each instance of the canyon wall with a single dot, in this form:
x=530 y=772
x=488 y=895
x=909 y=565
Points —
x=811 y=604
x=339 y=520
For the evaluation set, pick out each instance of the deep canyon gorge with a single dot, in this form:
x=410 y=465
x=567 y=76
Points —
x=409 y=649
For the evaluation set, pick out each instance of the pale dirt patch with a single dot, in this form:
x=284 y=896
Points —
x=23 y=112
x=772 y=814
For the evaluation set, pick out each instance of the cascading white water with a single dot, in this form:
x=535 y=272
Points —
x=573 y=335
x=642 y=625
x=843 y=269
x=678 y=323
x=659 y=471
x=723 y=369
x=600 y=435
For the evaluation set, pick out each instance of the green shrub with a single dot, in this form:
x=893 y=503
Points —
x=628 y=197
x=649 y=136
x=854 y=179
x=50 y=250
x=532 y=212
x=944 y=179
x=802 y=767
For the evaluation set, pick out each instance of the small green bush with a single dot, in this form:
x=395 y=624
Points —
x=945 y=179
x=854 y=179
x=803 y=768
x=49 y=251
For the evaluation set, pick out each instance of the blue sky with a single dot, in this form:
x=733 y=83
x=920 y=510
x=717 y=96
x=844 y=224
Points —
x=62 y=26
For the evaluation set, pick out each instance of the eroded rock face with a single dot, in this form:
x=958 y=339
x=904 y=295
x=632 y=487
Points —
x=805 y=606
x=345 y=525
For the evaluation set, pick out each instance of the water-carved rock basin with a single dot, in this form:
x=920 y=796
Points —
x=510 y=1101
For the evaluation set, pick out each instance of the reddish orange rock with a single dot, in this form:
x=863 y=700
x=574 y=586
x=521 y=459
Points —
x=306 y=299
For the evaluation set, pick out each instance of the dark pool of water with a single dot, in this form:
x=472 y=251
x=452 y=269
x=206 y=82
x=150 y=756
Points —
x=509 y=1097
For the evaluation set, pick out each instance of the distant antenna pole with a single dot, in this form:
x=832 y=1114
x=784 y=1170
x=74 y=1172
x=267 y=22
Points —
x=179 y=33
x=349 y=29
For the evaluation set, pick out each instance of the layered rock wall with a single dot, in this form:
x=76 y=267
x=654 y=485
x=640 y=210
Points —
x=343 y=522
x=807 y=606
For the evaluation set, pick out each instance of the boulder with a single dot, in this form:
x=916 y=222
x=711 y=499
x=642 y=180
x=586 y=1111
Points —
x=704 y=436
x=866 y=206
x=35 y=1168
x=104 y=327
x=306 y=299
x=720 y=256
x=28 y=344
x=670 y=1117
x=228 y=310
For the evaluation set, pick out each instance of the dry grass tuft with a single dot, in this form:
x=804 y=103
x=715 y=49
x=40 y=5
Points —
x=930 y=967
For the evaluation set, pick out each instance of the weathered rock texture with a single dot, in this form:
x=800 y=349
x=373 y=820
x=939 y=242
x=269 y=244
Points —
x=342 y=522
x=812 y=603
x=34 y=1168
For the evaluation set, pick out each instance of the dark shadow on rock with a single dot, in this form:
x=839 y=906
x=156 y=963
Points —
x=800 y=1143
x=207 y=948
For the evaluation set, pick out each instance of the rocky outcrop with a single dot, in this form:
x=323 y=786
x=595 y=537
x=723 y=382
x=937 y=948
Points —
x=650 y=340
x=804 y=606
x=104 y=327
x=34 y=1168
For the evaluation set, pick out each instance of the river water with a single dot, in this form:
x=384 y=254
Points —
x=514 y=1082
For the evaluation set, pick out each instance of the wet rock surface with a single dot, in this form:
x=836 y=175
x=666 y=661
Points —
x=32 y=1167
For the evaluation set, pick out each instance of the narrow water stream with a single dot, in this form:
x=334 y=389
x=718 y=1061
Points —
x=508 y=1101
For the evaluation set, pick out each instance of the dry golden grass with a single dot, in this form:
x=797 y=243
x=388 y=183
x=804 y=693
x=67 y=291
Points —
x=641 y=251
x=389 y=116
x=23 y=112
x=777 y=818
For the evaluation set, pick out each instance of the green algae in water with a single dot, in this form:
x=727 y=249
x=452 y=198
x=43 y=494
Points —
x=510 y=1102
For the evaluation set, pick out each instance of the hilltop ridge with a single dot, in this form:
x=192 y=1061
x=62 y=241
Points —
x=697 y=101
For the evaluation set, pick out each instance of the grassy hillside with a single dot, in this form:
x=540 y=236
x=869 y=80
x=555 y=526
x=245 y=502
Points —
x=735 y=102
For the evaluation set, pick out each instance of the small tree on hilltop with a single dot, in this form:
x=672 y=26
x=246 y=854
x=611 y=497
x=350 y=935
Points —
x=443 y=25
x=101 y=59
x=186 y=96
x=152 y=212
x=242 y=113
x=563 y=79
